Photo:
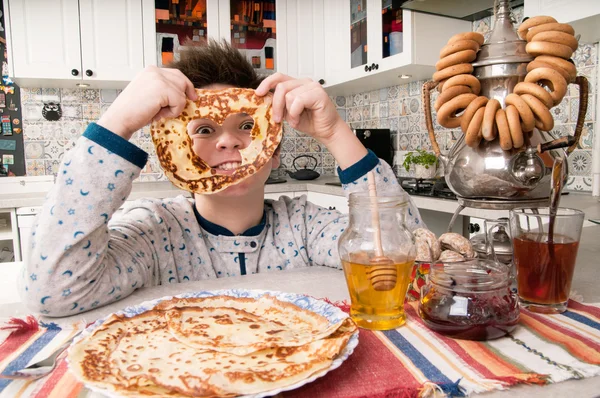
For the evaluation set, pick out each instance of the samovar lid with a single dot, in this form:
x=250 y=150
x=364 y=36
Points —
x=503 y=45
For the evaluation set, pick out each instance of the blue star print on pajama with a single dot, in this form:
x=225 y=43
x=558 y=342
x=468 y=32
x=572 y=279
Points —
x=83 y=255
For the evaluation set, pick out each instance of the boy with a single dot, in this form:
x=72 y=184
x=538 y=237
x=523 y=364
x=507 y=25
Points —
x=82 y=257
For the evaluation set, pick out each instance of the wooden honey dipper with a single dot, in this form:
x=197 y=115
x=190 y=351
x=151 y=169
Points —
x=382 y=273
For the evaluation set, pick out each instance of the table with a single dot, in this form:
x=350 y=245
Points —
x=317 y=282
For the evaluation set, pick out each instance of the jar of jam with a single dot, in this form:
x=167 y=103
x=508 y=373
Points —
x=470 y=300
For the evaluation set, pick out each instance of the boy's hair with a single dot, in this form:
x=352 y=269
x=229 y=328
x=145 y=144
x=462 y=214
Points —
x=216 y=62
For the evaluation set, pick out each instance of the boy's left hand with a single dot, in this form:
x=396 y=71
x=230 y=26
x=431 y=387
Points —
x=304 y=105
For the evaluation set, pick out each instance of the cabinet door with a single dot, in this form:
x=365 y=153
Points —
x=334 y=202
x=304 y=49
x=251 y=27
x=44 y=41
x=112 y=41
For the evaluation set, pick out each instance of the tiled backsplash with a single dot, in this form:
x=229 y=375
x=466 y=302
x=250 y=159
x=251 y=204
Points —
x=397 y=107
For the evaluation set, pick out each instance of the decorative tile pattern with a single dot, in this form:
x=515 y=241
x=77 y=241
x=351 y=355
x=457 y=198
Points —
x=384 y=109
x=29 y=95
x=580 y=163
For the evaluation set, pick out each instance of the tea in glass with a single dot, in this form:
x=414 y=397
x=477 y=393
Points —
x=545 y=264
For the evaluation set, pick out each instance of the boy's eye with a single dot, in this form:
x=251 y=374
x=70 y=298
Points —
x=247 y=125
x=204 y=130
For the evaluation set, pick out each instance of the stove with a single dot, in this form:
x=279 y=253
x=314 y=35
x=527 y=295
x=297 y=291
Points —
x=435 y=188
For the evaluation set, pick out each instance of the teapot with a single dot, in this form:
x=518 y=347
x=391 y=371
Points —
x=304 y=173
x=488 y=171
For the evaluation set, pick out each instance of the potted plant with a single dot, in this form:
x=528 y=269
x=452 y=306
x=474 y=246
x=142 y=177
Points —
x=425 y=163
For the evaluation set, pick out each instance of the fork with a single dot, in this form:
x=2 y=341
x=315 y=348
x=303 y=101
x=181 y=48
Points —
x=41 y=368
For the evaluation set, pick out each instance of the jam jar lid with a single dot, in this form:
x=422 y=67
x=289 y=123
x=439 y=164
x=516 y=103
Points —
x=472 y=275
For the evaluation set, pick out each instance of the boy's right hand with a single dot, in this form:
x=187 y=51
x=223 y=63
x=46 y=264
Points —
x=153 y=94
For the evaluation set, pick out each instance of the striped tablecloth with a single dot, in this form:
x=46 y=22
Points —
x=411 y=361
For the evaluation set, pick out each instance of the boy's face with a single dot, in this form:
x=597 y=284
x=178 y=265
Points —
x=219 y=145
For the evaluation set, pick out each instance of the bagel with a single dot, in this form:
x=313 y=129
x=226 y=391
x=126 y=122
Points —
x=536 y=48
x=457 y=46
x=440 y=86
x=475 y=36
x=525 y=113
x=460 y=57
x=514 y=125
x=543 y=118
x=551 y=79
x=532 y=22
x=557 y=37
x=467 y=116
x=503 y=130
x=464 y=80
x=539 y=64
x=457 y=243
x=450 y=256
x=473 y=134
x=560 y=63
x=446 y=116
x=537 y=91
x=553 y=27
x=452 y=71
x=488 y=126
x=450 y=93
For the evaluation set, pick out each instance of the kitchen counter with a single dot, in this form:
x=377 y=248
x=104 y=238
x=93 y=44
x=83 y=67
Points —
x=164 y=189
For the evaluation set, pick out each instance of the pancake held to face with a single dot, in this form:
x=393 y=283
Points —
x=186 y=169
x=141 y=356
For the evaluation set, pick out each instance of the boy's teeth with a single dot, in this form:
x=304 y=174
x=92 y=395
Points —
x=229 y=166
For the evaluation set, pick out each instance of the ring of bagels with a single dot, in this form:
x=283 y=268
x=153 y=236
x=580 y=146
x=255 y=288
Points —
x=546 y=83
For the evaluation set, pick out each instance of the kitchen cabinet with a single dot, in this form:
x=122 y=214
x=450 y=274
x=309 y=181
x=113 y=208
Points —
x=376 y=43
x=64 y=43
x=583 y=15
x=332 y=202
x=304 y=38
x=9 y=236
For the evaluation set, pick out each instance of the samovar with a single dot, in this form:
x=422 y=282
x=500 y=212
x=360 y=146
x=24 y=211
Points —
x=487 y=176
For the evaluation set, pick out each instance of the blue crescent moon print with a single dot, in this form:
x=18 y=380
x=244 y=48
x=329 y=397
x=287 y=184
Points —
x=112 y=291
x=118 y=268
x=83 y=193
x=43 y=257
x=171 y=279
x=68 y=272
x=75 y=304
x=182 y=246
x=90 y=149
x=167 y=248
x=43 y=300
x=88 y=244
x=296 y=253
x=77 y=233
x=105 y=217
x=236 y=243
x=68 y=163
x=52 y=211
x=118 y=172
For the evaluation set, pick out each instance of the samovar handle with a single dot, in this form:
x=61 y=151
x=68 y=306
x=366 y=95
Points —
x=582 y=82
x=426 y=100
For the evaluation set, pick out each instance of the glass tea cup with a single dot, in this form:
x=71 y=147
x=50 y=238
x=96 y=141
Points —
x=377 y=291
x=545 y=266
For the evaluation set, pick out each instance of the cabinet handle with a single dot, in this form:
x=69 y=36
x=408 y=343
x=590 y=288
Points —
x=89 y=73
x=321 y=82
x=74 y=72
x=376 y=66
x=373 y=66
x=367 y=68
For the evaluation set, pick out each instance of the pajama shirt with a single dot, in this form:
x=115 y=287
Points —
x=87 y=253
